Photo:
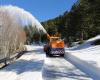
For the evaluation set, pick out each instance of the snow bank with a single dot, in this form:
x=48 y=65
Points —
x=86 y=57
x=86 y=44
x=94 y=38
x=84 y=66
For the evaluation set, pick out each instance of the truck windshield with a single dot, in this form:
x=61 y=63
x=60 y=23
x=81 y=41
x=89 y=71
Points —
x=54 y=39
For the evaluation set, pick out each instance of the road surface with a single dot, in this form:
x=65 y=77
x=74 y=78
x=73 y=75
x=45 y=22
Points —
x=34 y=65
x=61 y=69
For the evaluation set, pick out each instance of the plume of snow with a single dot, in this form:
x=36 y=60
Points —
x=23 y=17
x=12 y=35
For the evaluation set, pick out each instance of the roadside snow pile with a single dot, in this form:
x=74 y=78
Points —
x=88 y=52
x=86 y=57
x=93 y=39
x=86 y=44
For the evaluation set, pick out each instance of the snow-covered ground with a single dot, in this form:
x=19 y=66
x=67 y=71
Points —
x=61 y=69
x=86 y=57
x=27 y=67
x=34 y=65
x=79 y=63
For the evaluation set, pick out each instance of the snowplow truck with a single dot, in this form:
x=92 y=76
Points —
x=55 y=46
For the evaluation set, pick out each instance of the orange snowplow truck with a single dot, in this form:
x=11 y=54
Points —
x=55 y=46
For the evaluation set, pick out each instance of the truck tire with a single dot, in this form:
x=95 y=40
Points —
x=62 y=55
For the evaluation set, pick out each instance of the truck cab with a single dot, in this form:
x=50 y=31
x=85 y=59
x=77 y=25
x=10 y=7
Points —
x=55 y=46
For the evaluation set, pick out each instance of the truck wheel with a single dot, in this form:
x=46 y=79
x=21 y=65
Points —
x=47 y=52
x=50 y=55
x=62 y=55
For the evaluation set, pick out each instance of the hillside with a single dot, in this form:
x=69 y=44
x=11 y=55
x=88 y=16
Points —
x=80 y=23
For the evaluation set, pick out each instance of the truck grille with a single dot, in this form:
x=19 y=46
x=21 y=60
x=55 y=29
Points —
x=57 y=51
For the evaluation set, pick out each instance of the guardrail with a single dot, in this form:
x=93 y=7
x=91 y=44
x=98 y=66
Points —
x=5 y=61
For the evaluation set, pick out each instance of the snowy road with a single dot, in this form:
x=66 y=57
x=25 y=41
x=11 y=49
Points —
x=34 y=65
x=27 y=67
x=60 y=69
